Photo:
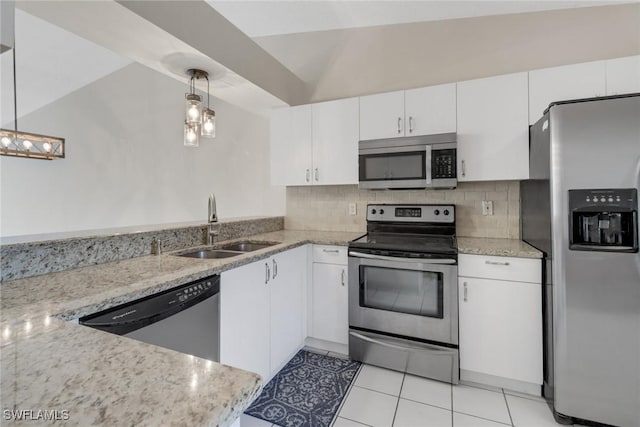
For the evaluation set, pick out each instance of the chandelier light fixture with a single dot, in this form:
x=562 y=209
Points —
x=198 y=121
x=16 y=143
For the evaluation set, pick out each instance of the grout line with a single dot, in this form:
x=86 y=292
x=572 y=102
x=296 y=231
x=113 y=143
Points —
x=398 y=401
x=507 y=403
x=531 y=397
x=378 y=391
x=346 y=396
x=482 y=418
x=357 y=422
x=428 y=404
x=451 y=393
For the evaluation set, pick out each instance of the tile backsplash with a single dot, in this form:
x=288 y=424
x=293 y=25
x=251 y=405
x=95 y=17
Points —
x=327 y=207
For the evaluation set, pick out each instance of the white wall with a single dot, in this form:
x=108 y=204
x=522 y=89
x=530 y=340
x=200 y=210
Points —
x=126 y=164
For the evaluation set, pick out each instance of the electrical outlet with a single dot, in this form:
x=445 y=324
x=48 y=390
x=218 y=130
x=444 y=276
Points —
x=352 y=209
x=487 y=207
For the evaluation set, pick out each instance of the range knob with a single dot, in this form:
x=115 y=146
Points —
x=381 y=211
x=436 y=212
x=446 y=212
x=373 y=211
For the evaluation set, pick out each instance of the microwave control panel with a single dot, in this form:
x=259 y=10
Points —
x=443 y=164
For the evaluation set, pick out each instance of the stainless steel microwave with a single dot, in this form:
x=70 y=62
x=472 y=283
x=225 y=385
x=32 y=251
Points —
x=427 y=161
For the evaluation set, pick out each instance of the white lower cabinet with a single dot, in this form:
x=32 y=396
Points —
x=501 y=321
x=329 y=295
x=261 y=312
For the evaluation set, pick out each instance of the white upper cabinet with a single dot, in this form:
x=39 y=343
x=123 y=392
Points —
x=430 y=110
x=623 y=75
x=412 y=112
x=335 y=142
x=290 y=146
x=586 y=80
x=315 y=144
x=493 y=131
x=382 y=115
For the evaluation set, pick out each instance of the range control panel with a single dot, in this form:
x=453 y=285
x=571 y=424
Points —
x=412 y=213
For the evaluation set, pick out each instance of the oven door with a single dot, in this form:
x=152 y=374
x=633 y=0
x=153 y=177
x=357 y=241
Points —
x=394 y=167
x=416 y=298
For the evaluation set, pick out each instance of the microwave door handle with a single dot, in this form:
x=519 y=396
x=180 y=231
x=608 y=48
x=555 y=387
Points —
x=397 y=259
x=435 y=352
x=427 y=166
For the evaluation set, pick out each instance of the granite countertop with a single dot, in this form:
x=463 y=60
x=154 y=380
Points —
x=497 y=247
x=100 y=378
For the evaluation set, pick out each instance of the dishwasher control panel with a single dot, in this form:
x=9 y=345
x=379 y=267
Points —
x=136 y=314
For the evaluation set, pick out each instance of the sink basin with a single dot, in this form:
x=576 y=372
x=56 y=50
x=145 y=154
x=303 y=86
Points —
x=247 y=246
x=210 y=254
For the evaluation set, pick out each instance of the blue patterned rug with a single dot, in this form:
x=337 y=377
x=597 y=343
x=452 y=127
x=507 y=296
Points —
x=307 y=392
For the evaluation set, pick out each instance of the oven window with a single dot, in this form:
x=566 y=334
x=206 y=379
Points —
x=392 y=166
x=402 y=291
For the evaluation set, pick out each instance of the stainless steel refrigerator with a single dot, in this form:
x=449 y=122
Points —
x=580 y=208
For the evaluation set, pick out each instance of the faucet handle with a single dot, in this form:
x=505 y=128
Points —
x=213 y=217
x=156 y=247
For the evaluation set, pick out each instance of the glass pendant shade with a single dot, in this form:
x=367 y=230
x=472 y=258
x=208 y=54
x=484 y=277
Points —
x=209 y=123
x=193 y=108
x=191 y=135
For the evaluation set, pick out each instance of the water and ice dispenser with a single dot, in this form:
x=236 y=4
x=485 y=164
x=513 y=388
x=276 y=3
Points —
x=603 y=220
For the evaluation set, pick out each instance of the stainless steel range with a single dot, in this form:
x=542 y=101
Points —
x=403 y=297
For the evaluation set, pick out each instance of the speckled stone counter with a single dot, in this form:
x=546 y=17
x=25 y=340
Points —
x=497 y=247
x=100 y=378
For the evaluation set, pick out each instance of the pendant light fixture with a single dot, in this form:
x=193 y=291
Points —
x=16 y=143
x=198 y=121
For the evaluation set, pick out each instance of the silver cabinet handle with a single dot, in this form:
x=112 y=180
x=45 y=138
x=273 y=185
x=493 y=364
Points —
x=275 y=268
x=331 y=251
x=267 y=272
x=496 y=263
x=307 y=175
x=317 y=174
x=465 y=291
x=464 y=172
x=410 y=124
x=434 y=351
x=399 y=122
x=342 y=277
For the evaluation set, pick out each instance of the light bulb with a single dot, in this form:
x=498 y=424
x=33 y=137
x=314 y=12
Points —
x=194 y=113
x=46 y=147
x=208 y=126
x=6 y=141
x=27 y=144
x=191 y=135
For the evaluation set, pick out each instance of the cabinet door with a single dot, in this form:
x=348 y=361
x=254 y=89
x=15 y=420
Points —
x=290 y=146
x=575 y=81
x=330 y=308
x=493 y=132
x=289 y=273
x=623 y=75
x=244 y=318
x=335 y=142
x=430 y=110
x=501 y=328
x=382 y=115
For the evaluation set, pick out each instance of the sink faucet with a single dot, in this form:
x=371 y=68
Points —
x=212 y=219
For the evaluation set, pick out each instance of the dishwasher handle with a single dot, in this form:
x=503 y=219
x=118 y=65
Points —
x=137 y=314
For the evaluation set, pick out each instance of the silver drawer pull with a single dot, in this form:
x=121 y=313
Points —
x=496 y=263
x=331 y=251
x=342 y=277
x=435 y=352
x=465 y=292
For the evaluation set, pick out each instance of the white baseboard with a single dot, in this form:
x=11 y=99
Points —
x=333 y=347
x=477 y=378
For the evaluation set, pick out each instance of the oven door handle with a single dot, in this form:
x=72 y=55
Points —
x=407 y=260
x=435 y=352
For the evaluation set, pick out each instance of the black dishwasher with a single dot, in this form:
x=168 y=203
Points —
x=184 y=319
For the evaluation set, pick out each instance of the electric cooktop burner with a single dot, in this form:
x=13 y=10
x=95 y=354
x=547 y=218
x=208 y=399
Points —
x=409 y=229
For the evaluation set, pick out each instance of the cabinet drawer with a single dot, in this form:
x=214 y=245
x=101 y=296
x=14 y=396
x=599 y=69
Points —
x=501 y=268
x=330 y=254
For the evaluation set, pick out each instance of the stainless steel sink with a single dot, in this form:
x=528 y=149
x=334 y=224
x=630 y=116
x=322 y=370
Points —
x=247 y=246
x=210 y=254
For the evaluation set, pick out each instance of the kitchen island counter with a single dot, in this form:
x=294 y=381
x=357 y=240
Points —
x=50 y=363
